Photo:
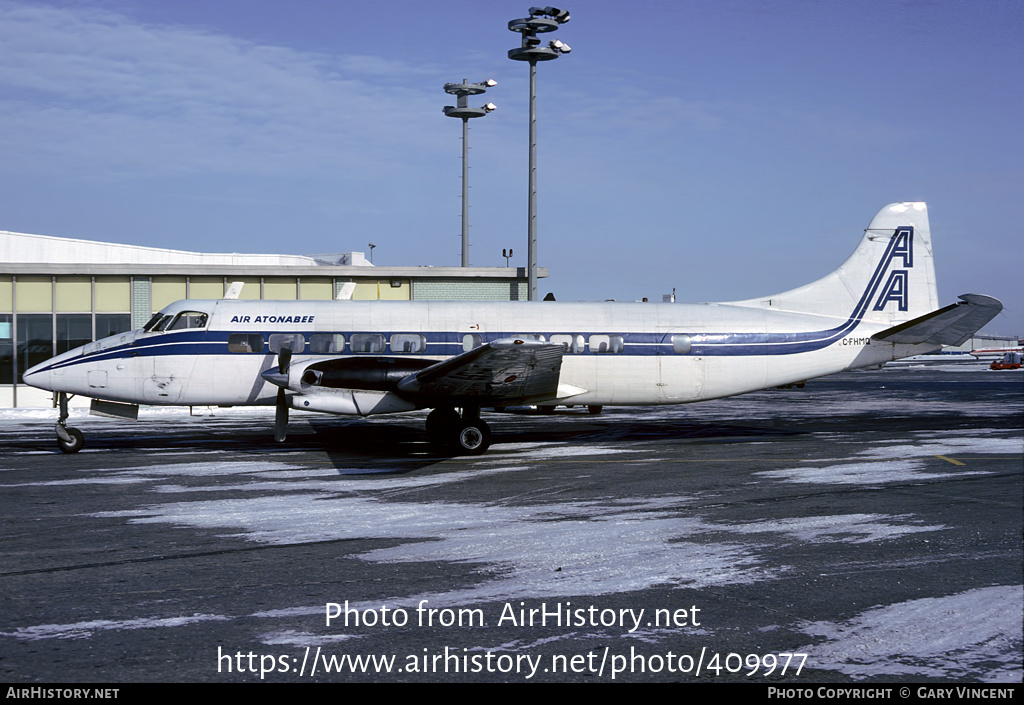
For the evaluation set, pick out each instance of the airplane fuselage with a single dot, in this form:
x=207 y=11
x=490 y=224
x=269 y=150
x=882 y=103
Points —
x=616 y=353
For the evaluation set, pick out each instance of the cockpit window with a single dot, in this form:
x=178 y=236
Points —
x=157 y=323
x=188 y=319
x=152 y=322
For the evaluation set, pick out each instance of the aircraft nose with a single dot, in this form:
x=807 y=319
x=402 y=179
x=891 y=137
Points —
x=39 y=376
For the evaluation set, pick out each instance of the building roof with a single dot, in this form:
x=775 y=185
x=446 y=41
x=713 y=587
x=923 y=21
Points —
x=23 y=253
x=27 y=248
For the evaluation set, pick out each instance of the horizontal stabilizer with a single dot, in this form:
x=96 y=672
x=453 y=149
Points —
x=951 y=325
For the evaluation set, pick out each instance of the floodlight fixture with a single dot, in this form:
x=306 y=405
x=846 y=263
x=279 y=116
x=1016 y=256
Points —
x=540 y=21
x=466 y=89
x=462 y=110
x=559 y=16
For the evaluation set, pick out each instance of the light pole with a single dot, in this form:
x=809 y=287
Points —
x=546 y=19
x=462 y=110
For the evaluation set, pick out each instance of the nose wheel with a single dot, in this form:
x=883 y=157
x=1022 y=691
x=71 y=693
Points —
x=69 y=440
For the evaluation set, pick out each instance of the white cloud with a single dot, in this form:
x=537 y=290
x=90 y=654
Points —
x=88 y=87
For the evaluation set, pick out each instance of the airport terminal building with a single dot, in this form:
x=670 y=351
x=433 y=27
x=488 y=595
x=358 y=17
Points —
x=59 y=293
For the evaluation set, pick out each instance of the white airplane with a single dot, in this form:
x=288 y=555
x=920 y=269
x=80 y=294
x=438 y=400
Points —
x=380 y=357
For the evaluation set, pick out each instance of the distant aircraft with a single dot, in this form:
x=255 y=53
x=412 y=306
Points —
x=381 y=357
x=995 y=353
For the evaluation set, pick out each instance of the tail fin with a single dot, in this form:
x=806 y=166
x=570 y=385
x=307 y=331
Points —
x=889 y=279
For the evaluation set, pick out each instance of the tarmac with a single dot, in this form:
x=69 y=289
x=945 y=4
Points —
x=864 y=529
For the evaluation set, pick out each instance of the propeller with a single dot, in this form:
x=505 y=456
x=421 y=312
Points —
x=284 y=360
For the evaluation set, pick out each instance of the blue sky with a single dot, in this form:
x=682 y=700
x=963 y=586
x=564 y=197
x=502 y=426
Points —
x=727 y=149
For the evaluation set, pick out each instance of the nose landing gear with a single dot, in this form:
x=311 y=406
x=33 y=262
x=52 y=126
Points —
x=69 y=440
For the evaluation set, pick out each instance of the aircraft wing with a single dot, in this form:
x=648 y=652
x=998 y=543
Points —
x=951 y=325
x=502 y=372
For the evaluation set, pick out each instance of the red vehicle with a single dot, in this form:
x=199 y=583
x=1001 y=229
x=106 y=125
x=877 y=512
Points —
x=1010 y=361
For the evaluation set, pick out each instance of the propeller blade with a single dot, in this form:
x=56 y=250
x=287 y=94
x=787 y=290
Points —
x=284 y=360
x=281 y=417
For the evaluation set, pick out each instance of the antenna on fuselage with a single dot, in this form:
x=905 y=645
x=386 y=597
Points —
x=234 y=290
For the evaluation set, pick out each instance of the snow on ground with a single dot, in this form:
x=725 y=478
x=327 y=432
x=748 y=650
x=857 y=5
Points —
x=975 y=634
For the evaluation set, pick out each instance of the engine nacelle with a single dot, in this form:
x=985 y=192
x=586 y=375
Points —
x=380 y=374
x=352 y=402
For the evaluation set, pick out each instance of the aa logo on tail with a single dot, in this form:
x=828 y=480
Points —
x=897 y=286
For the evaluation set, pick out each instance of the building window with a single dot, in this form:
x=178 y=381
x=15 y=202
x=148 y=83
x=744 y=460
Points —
x=108 y=324
x=73 y=330
x=6 y=349
x=35 y=340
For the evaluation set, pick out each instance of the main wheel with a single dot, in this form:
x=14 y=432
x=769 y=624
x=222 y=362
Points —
x=472 y=437
x=595 y=408
x=440 y=423
x=76 y=442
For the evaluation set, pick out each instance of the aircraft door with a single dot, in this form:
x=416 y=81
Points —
x=681 y=374
x=171 y=367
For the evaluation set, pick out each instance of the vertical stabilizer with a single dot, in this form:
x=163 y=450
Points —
x=890 y=278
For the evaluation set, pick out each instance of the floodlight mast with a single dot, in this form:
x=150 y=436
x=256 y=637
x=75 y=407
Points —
x=541 y=20
x=462 y=110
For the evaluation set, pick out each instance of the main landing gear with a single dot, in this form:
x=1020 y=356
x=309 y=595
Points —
x=467 y=433
x=69 y=440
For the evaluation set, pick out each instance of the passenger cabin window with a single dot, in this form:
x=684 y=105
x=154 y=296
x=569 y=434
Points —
x=569 y=343
x=368 y=343
x=605 y=344
x=245 y=343
x=471 y=341
x=188 y=319
x=294 y=341
x=408 y=343
x=682 y=344
x=326 y=343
